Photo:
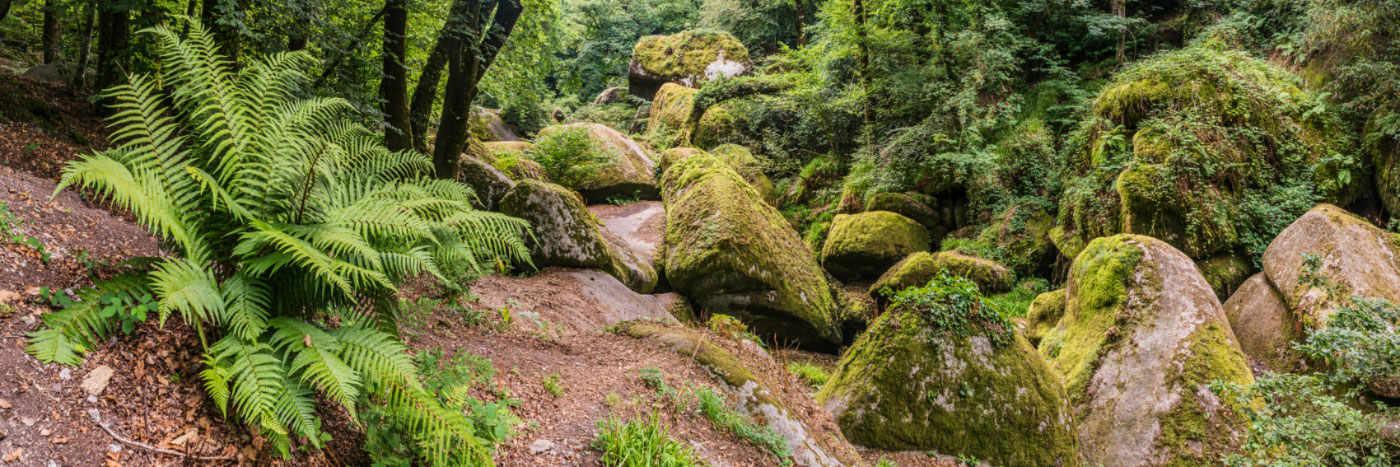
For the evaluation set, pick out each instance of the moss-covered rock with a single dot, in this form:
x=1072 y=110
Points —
x=668 y=121
x=809 y=447
x=674 y=155
x=1264 y=325
x=907 y=385
x=749 y=167
x=509 y=158
x=489 y=182
x=486 y=125
x=688 y=58
x=632 y=172
x=1020 y=234
x=565 y=233
x=907 y=206
x=1141 y=341
x=1354 y=258
x=1044 y=315
x=1205 y=149
x=866 y=244
x=1225 y=272
x=731 y=253
x=917 y=269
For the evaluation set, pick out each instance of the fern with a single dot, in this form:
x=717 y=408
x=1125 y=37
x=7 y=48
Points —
x=281 y=211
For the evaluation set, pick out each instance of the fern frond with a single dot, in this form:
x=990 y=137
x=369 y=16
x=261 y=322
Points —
x=316 y=357
x=188 y=288
x=53 y=346
x=247 y=305
x=255 y=380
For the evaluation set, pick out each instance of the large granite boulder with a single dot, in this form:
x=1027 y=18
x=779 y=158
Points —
x=729 y=252
x=1044 y=315
x=668 y=121
x=945 y=373
x=566 y=234
x=1142 y=340
x=919 y=268
x=749 y=167
x=631 y=173
x=907 y=206
x=1264 y=325
x=687 y=58
x=865 y=245
x=489 y=182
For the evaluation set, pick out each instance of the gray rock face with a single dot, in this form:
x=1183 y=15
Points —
x=1142 y=339
x=633 y=173
x=1264 y=325
x=489 y=183
x=565 y=232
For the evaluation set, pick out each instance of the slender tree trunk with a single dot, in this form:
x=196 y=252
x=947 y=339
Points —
x=394 y=86
x=1120 y=8
x=330 y=69
x=425 y=94
x=114 y=32
x=189 y=13
x=80 y=71
x=4 y=8
x=467 y=62
x=801 y=23
x=53 y=31
x=863 y=63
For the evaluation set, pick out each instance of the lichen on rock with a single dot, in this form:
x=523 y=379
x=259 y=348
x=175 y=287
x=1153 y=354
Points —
x=730 y=252
x=968 y=387
x=688 y=58
x=866 y=244
x=1141 y=341
x=919 y=268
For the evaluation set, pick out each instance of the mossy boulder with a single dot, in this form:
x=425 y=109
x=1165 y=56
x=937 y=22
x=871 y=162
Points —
x=749 y=167
x=668 y=121
x=1141 y=341
x=729 y=252
x=1204 y=149
x=866 y=244
x=1355 y=257
x=917 y=269
x=1264 y=326
x=673 y=155
x=632 y=172
x=1021 y=233
x=509 y=157
x=688 y=58
x=1044 y=315
x=906 y=384
x=489 y=182
x=565 y=233
x=907 y=206
x=611 y=96
x=1225 y=272
x=486 y=125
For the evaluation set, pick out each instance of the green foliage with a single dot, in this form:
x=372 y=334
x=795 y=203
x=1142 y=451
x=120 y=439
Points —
x=1014 y=304
x=1361 y=342
x=281 y=214
x=809 y=373
x=642 y=443
x=552 y=385
x=1299 y=420
x=951 y=305
x=712 y=405
x=570 y=155
x=453 y=381
x=8 y=233
x=599 y=36
x=731 y=328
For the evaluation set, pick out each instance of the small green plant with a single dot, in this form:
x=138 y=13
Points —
x=731 y=328
x=128 y=307
x=570 y=155
x=711 y=405
x=1014 y=304
x=6 y=310
x=8 y=225
x=951 y=304
x=621 y=199
x=642 y=443
x=91 y=265
x=552 y=385
x=885 y=462
x=31 y=147
x=809 y=373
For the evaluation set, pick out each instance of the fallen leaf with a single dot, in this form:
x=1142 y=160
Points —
x=59 y=440
x=4 y=404
x=15 y=455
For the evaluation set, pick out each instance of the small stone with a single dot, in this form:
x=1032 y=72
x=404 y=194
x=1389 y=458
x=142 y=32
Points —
x=114 y=448
x=66 y=374
x=28 y=421
x=44 y=432
x=92 y=399
x=541 y=445
x=97 y=380
x=4 y=404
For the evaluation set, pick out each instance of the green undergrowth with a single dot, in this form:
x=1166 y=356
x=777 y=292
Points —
x=642 y=442
x=810 y=374
x=951 y=305
x=714 y=407
x=1014 y=304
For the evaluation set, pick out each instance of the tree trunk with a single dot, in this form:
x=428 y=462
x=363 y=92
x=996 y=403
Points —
x=113 y=36
x=1120 y=8
x=53 y=31
x=189 y=13
x=466 y=64
x=801 y=24
x=4 y=9
x=425 y=94
x=80 y=71
x=394 y=86
x=223 y=35
x=863 y=63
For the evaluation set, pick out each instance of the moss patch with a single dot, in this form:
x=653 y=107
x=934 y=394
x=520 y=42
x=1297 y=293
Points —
x=867 y=244
x=1098 y=285
x=919 y=268
x=668 y=125
x=1044 y=315
x=686 y=55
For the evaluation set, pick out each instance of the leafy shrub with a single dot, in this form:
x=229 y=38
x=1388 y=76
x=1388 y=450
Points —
x=642 y=443
x=1299 y=420
x=1014 y=304
x=453 y=382
x=282 y=215
x=569 y=155
x=952 y=305
x=730 y=327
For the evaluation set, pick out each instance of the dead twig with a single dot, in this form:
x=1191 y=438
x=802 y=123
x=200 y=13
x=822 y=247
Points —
x=97 y=419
